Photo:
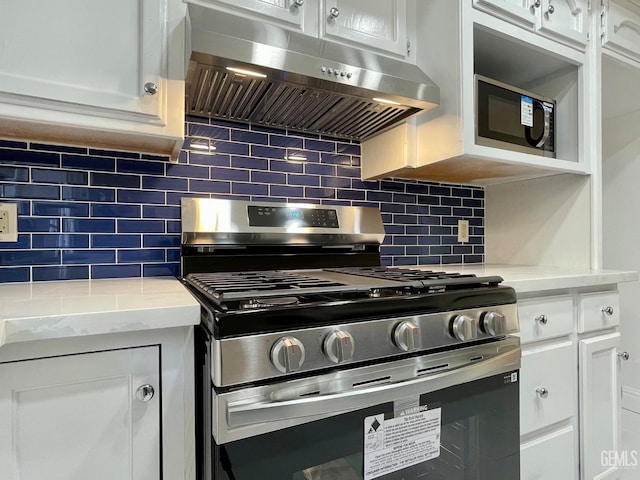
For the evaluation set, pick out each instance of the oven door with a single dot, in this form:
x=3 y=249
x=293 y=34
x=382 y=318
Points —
x=453 y=416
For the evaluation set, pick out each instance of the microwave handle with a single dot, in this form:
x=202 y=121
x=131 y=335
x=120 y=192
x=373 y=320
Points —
x=243 y=414
x=547 y=127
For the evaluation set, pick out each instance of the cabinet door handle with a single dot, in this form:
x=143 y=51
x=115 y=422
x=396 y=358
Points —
x=537 y=4
x=150 y=88
x=551 y=9
x=542 y=392
x=334 y=12
x=624 y=355
x=145 y=392
x=541 y=319
x=607 y=310
x=299 y=3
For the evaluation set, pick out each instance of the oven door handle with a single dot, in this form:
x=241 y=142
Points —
x=250 y=413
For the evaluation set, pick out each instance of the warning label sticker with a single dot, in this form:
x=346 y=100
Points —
x=397 y=443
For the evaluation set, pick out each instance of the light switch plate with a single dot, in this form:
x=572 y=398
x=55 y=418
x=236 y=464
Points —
x=8 y=222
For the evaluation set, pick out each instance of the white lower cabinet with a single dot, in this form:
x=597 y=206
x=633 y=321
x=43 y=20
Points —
x=550 y=457
x=117 y=406
x=547 y=399
x=569 y=384
x=91 y=415
x=600 y=396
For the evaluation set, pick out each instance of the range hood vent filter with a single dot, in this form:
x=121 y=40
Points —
x=216 y=92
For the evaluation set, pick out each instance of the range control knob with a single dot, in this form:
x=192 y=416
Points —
x=493 y=323
x=464 y=327
x=339 y=346
x=406 y=336
x=287 y=354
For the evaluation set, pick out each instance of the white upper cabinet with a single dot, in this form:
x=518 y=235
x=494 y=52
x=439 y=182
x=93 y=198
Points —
x=98 y=66
x=289 y=13
x=80 y=58
x=379 y=25
x=621 y=29
x=566 y=21
x=517 y=11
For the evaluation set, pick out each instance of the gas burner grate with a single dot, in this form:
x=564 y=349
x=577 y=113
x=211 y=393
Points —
x=225 y=286
x=427 y=278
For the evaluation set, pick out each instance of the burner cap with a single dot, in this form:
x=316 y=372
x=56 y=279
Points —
x=270 y=302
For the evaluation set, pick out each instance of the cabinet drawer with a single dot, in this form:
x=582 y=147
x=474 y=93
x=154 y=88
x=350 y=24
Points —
x=545 y=317
x=621 y=31
x=553 y=369
x=598 y=311
x=549 y=457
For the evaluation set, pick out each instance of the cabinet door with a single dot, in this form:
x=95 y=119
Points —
x=517 y=11
x=621 y=31
x=289 y=13
x=599 y=405
x=565 y=20
x=78 y=416
x=84 y=57
x=375 y=25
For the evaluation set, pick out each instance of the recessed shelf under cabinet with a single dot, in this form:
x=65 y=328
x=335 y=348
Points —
x=457 y=42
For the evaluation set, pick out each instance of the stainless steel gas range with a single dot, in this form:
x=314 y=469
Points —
x=315 y=362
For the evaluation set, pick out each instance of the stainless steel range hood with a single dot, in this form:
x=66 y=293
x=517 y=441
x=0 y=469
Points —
x=309 y=85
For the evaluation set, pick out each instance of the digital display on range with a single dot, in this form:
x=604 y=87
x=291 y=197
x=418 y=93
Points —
x=265 y=216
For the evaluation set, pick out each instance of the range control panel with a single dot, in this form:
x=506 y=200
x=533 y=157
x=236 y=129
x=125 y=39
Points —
x=267 y=216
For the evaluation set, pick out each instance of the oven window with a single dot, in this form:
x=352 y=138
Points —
x=478 y=438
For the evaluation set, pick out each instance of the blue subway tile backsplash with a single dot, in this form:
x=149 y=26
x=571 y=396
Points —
x=89 y=213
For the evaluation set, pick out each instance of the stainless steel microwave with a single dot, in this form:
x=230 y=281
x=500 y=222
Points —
x=514 y=119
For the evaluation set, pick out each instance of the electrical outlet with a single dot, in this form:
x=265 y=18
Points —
x=463 y=231
x=8 y=222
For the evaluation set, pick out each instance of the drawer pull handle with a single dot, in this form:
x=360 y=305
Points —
x=542 y=392
x=541 y=319
x=607 y=310
x=624 y=355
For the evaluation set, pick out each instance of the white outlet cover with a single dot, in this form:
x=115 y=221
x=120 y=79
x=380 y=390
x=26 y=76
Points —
x=463 y=231
x=11 y=234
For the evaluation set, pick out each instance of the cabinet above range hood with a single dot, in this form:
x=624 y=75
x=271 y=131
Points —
x=303 y=83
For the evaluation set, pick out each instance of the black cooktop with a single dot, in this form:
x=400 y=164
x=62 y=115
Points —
x=224 y=288
x=246 y=302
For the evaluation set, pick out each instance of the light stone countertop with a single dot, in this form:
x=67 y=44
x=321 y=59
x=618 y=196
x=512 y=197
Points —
x=70 y=308
x=529 y=279
x=42 y=310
